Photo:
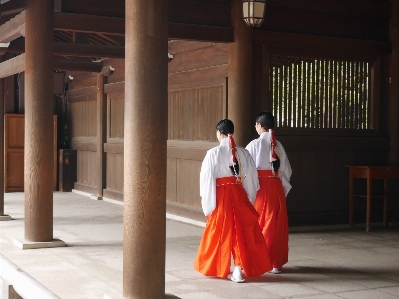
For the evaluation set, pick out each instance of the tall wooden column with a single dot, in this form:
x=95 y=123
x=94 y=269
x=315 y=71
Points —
x=1 y=145
x=38 y=180
x=101 y=135
x=145 y=144
x=240 y=77
x=393 y=103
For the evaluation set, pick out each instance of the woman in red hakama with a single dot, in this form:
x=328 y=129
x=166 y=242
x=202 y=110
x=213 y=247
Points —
x=274 y=172
x=232 y=228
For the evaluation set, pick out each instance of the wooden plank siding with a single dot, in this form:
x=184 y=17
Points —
x=313 y=39
x=191 y=111
x=197 y=101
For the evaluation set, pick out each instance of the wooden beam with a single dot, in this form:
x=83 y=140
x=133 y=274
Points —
x=95 y=7
x=200 y=58
x=312 y=22
x=116 y=26
x=115 y=89
x=201 y=32
x=215 y=13
x=181 y=46
x=13 y=29
x=374 y=9
x=12 y=7
x=12 y=66
x=94 y=67
x=210 y=13
x=86 y=92
x=89 y=23
x=89 y=50
x=321 y=46
x=76 y=49
x=201 y=77
x=3 y=49
x=17 y=65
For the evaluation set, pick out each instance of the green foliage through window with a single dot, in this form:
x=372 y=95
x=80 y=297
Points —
x=320 y=93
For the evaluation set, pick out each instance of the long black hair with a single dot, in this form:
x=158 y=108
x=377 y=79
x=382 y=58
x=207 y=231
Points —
x=226 y=127
x=266 y=120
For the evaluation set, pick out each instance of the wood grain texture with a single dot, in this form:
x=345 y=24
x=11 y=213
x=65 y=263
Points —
x=145 y=144
x=198 y=58
x=38 y=179
x=114 y=172
x=101 y=134
x=81 y=80
x=85 y=174
x=14 y=153
x=200 y=77
x=13 y=28
x=12 y=66
x=240 y=81
x=115 y=117
x=84 y=118
x=171 y=182
x=2 y=145
x=187 y=187
x=193 y=114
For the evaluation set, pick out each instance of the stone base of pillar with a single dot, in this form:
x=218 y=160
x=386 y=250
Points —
x=5 y=218
x=23 y=244
x=8 y=291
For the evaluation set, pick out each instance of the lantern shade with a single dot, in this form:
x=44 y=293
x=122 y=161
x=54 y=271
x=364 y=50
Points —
x=253 y=11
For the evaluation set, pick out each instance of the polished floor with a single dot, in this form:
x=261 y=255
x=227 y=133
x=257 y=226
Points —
x=323 y=264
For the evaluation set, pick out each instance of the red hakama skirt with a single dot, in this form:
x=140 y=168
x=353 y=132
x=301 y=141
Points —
x=270 y=203
x=232 y=229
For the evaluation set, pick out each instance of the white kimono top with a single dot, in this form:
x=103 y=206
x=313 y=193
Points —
x=216 y=165
x=260 y=151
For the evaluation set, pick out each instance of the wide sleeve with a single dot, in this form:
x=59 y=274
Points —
x=285 y=170
x=250 y=180
x=207 y=186
x=250 y=148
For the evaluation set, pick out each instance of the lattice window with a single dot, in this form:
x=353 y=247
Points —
x=320 y=93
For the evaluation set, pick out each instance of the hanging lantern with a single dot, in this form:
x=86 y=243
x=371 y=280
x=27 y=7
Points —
x=253 y=11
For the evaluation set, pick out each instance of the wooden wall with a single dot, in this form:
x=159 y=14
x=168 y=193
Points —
x=82 y=98
x=353 y=30
x=198 y=100
x=115 y=121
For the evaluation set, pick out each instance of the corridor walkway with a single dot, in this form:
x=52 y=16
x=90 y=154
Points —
x=329 y=264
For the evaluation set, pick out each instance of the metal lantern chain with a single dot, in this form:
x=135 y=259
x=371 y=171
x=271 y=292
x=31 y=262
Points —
x=253 y=12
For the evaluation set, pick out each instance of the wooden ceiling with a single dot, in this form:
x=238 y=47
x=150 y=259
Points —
x=89 y=30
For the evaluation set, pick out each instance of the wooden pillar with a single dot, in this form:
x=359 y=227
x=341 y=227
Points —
x=101 y=134
x=21 y=91
x=145 y=144
x=38 y=179
x=9 y=94
x=1 y=145
x=240 y=82
x=393 y=102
